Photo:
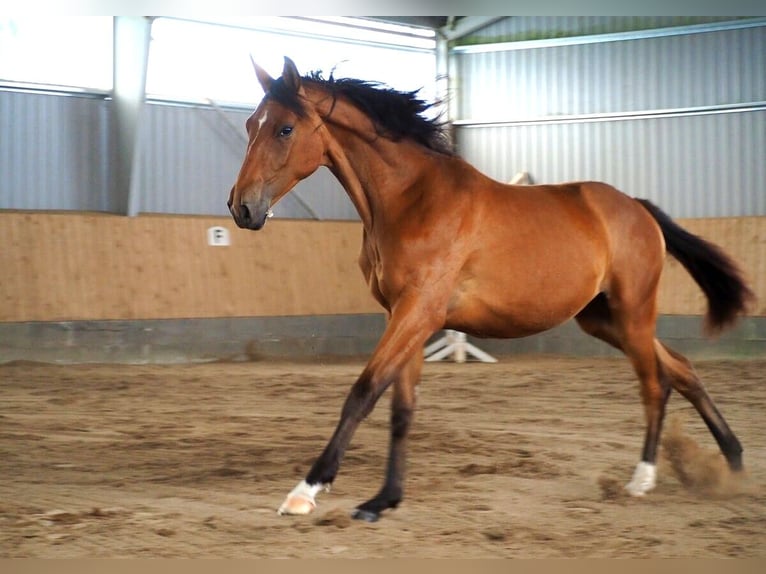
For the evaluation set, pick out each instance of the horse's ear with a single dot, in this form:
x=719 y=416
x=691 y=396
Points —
x=291 y=76
x=263 y=77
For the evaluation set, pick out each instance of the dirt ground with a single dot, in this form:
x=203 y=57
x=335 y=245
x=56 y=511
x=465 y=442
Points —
x=525 y=458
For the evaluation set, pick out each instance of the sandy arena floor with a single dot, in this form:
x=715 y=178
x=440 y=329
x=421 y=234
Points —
x=525 y=458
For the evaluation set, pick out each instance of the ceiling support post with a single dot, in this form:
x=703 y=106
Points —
x=132 y=35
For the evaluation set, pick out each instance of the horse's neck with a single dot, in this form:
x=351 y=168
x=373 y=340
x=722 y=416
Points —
x=342 y=167
x=373 y=170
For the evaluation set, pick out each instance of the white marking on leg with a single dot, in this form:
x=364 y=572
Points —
x=301 y=498
x=644 y=479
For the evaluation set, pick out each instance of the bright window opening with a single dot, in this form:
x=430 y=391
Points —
x=68 y=52
x=197 y=62
x=193 y=61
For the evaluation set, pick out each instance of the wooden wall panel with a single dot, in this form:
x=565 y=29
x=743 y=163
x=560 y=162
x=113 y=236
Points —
x=66 y=266
x=85 y=266
x=743 y=238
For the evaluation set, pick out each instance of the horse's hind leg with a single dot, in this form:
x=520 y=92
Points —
x=596 y=320
x=683 y=378
x=633 y=333
x=659 y=369
x=402 y=411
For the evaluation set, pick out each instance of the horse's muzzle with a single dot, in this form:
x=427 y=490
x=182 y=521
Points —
x=251 y=214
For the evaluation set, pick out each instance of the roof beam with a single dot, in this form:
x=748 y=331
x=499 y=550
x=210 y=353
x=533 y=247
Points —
x=458 y=28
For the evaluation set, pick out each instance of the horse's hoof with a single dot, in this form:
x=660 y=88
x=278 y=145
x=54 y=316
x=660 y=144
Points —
x=301 y=499
x=366 y=515
x=296 y=505
x=644 y=479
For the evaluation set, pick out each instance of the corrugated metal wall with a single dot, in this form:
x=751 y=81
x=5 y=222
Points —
x=186 y=159
x=53 y=152
x=693 y=166
x=706 y=159
x=694 y=70
x=603 y=111
x=189 y=159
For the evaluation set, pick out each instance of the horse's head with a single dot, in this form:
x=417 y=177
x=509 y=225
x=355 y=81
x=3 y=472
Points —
x=284 y=147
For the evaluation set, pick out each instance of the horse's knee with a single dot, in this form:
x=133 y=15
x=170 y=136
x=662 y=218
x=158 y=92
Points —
x=400 y=422
x=364 y=395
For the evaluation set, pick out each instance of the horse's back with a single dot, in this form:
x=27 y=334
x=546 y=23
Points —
x=632 y=239
x=605 y=215
x=532 y=240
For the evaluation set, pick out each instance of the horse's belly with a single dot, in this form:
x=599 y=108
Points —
x=484 y=321
x=506 y=309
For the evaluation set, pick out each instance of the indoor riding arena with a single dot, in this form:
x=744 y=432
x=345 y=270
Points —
x=167 y=377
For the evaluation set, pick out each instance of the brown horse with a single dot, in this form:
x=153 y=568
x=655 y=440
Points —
x=444 y=246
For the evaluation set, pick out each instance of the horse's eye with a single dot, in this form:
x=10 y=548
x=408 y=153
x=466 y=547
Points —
x=285 y=131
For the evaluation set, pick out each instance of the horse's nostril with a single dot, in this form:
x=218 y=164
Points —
x=244 y=212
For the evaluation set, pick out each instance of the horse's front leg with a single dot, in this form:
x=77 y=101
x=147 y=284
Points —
x=405 y=335
x=402 y=411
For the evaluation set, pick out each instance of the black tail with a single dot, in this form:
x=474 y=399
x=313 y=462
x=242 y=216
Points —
x=715 y=272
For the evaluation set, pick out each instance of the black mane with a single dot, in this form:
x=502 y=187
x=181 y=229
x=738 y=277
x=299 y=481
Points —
x=396 y=114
